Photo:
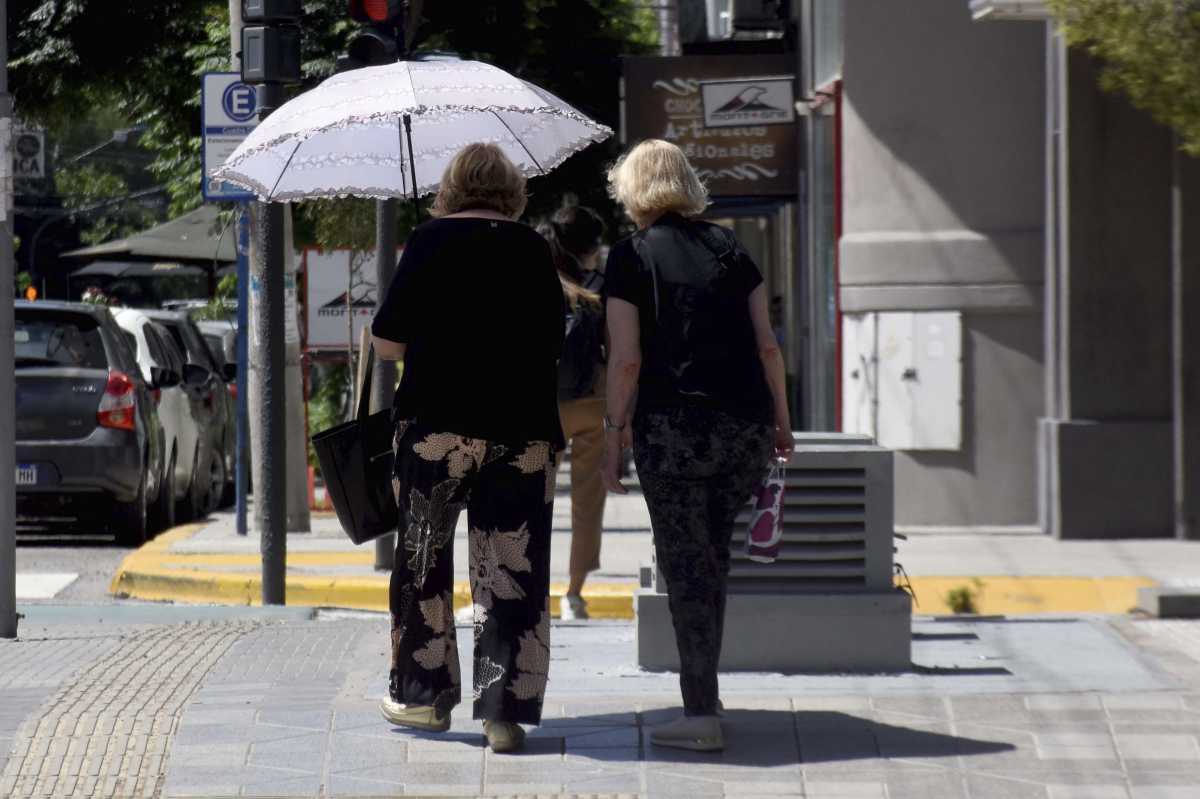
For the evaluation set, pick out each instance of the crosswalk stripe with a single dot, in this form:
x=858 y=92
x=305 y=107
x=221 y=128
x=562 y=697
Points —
x=42 y=585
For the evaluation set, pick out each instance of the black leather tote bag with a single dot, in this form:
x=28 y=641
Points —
x=356 y=461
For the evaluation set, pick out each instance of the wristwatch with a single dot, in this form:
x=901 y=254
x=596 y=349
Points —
x=610 y=425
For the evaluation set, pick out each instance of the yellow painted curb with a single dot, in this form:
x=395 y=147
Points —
x=1015 y=596
x=153 y=572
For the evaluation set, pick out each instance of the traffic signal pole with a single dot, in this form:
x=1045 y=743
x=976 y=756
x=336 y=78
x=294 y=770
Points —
x=266 y=288
x=384 y=383
x=8 y=401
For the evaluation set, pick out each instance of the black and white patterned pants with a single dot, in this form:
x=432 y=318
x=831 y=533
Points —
x=508 y=493
x=697 y=468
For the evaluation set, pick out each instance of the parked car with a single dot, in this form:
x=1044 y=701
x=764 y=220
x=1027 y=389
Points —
x=221 y=338
x=220 y=422
x=89 y=442
x=181 y=412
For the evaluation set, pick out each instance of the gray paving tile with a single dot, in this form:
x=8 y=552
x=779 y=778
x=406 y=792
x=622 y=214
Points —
x=845 y=790
x=992 y=787
x=1166 y=791
x=1087 y=792
x=347 y=785
x=303 y=752
x=347 y=755
x=1158 y=747
x=307 y=719
x=209 y=755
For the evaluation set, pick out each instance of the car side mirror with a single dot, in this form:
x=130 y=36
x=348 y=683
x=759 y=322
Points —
x=229 y=372
x=164 y=378
x=195 y=375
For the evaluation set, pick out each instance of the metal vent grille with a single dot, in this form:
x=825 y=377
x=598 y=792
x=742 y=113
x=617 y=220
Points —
x=824 y=536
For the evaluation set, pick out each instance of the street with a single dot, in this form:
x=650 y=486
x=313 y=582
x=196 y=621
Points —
x=66 y=568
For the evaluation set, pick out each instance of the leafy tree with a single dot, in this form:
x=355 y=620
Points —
x=1150 y=51
x=143 y=58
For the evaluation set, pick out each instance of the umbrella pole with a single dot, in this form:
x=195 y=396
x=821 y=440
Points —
x=412 y=167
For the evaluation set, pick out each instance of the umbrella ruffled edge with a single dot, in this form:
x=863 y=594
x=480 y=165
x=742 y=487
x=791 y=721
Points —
x=387 y=117
x=227 y=173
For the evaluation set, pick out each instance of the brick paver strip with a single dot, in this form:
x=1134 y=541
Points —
x=107 y=730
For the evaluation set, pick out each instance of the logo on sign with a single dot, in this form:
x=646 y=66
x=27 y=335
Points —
x=239 y=102
x=748 y=102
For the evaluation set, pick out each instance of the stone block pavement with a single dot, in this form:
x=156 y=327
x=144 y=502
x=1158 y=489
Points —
x=159 y=701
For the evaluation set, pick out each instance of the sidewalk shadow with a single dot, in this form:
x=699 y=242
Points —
x=763 y=738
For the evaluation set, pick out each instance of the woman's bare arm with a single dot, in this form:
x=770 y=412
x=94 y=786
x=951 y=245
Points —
x=389 y=350
x=772 y=361
x=624 y=366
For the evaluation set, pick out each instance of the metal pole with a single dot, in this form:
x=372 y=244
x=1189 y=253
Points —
x=243 y=366
x=242 y=460
x=384 y=382
x=8 y=414
x=267 y=285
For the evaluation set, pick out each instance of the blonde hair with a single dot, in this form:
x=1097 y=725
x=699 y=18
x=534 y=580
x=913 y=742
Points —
x=655 y=177
x=480 y=176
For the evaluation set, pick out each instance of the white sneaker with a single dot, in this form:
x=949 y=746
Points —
x=573 y=607
x=698 y=733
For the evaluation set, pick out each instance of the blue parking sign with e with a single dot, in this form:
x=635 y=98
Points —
x=240 y=102
x=230 y=112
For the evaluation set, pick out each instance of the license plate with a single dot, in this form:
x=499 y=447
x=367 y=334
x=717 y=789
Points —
x=27 y=474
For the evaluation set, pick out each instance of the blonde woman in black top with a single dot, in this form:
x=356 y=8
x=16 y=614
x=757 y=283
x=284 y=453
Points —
x=691 y=339
x=476 y=314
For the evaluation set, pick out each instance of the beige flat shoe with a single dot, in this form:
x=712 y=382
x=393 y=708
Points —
x=420 y=717
x=697 y=733
x=504 y=736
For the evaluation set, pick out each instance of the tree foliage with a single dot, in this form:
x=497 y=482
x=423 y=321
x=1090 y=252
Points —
x=1150 y=50
x=143 y=59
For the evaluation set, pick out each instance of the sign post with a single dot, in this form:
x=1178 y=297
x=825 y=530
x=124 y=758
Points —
x=230 y=112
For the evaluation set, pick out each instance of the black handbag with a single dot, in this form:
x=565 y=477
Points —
x=356 y=460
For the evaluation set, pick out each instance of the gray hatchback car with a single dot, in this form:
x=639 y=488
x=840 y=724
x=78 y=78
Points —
x=89 y=442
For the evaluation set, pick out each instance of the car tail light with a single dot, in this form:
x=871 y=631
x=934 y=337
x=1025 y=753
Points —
x=233 y=390
x=118 y=406
x=156 y=395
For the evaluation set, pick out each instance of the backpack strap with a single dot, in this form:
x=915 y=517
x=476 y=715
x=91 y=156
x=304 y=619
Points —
x=647 y=255
x=718 y=244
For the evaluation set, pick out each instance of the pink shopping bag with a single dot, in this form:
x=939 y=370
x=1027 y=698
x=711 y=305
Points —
x=765 y=532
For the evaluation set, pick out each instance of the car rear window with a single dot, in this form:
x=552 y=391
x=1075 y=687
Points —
x=216 y=346
x=58 y=339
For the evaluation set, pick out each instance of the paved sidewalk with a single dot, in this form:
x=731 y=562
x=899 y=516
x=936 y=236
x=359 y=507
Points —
x=168 y=701
x=1009 y=573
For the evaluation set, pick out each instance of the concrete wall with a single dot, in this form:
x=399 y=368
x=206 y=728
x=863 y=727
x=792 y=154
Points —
x=943 y=178
x=1107 y=444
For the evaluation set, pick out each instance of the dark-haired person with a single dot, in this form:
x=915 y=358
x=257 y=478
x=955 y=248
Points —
x=476 y=313
x=574 y=234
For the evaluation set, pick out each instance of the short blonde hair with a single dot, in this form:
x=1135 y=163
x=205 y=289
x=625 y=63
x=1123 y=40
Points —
x=481 y=176
x=654 y=178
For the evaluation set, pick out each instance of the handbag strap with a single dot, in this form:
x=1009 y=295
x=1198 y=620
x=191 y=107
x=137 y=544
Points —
x=364 y=399
x=721 y=248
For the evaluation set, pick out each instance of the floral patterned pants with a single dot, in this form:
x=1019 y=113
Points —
x=508 y=493
x=697 y=468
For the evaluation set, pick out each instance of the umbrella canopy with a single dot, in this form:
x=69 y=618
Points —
x=136 y=269
x=346 y=137
x=195 y=236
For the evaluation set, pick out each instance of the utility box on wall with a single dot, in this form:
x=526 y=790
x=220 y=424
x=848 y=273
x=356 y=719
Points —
x=902 y=378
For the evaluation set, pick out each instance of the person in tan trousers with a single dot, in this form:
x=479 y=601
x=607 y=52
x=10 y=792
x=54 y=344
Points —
x=574 y=233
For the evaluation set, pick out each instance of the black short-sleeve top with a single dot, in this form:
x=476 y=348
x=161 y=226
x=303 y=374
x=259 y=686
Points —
x=698 y=342
x=480 y=306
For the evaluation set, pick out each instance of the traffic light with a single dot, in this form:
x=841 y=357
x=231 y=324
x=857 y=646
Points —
x=380 y=39
x=271 y=48
x=379 y=12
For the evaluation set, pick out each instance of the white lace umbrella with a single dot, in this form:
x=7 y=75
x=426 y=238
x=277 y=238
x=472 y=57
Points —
x=346 y=137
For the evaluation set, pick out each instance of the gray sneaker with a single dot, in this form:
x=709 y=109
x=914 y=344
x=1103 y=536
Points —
x=573 y=607
x=698 y=733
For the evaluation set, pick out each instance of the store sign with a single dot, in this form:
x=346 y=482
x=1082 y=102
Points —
x=746 y=153
x=748 y=101
x=341 y=295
